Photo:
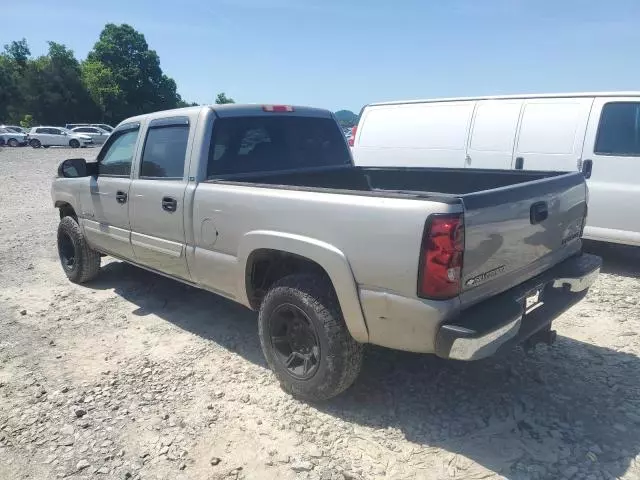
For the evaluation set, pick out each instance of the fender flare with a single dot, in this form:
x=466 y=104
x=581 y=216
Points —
x=62 y=199
x=330 y=258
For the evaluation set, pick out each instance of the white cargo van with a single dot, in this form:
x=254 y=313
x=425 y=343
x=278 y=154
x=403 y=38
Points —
x=598 y=133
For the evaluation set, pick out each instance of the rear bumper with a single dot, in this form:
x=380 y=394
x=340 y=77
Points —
x=502 y=321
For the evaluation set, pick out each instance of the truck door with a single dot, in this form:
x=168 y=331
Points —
x=106 y=210
x=551 y=133
x=157 y=198
x=611 y=160
x=493 y=134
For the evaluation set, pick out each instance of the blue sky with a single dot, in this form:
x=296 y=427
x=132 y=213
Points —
x=344 y=54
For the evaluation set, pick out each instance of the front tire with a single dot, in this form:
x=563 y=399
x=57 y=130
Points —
x=305 y=340
x=35 y=143
x=79 y=261
x=73 y=143
x=13 y=142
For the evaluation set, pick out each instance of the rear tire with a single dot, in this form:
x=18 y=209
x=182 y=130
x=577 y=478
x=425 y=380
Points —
x=79 y=261
x=305 y=340
x=73 y=143
x=46 y=146
x=13 y=142
x=35 y=143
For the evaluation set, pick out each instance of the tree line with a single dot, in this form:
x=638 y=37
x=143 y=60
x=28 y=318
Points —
x=121 y=77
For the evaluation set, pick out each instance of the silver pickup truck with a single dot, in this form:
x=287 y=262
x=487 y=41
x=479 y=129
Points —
x=263 y=205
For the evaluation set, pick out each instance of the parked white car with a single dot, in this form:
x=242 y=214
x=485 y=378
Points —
x=598 y=133
x=11 y=138
x=56 y=136
x=103 y=126
x=98 y=135
x=15 y=128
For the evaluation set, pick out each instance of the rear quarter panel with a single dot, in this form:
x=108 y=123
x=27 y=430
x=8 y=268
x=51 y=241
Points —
x=378 y=238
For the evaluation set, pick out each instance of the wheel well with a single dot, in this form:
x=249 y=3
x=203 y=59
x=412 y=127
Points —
x=265 y=267
x=66 y=210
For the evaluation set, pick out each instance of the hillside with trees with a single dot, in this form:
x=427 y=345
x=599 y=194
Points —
x=346 y=118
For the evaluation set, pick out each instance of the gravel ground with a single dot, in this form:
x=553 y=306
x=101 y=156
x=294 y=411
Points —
x=137 y=376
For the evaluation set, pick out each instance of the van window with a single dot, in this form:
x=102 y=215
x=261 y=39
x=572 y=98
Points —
x=164 y=152
x=619 y=129
x=550 y=127
x=435 y=126
x=271 y=143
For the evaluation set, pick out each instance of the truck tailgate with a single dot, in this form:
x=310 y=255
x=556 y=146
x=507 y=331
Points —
x=516 y=232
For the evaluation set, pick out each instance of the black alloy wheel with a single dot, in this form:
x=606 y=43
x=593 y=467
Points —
x=67 y=252
x=294 y=341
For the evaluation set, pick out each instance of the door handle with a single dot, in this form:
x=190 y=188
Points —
x=121 y=197
x=169 y=204
x=538 y=213
x=519 y=163
x=587 y=166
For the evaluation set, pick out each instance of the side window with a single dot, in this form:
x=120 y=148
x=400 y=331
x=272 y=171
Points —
x=116 y=156
x=55 y=131
x=41 y=130
x=619 y=129
x=164 y=152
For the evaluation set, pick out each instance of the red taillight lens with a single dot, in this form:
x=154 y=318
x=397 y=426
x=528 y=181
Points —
x=441 y=262
x=277 y=108
x=352 y=138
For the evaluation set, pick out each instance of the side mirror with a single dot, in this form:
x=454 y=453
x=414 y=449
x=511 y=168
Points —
x=73 y=168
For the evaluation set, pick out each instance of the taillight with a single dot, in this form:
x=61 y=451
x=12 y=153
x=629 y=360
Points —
x=441 y=261
x=277 y=108
x=352 y=138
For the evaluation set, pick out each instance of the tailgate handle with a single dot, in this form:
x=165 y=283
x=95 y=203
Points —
x=539 y=212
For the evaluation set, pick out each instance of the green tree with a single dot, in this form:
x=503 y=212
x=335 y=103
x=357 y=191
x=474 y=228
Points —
x=222 y=98
x=13 y=61
x=27 y=121
x=19 y=51
x=53 y=90
x=101 y=84
x=135 y=69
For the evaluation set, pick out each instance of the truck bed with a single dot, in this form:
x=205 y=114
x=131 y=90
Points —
x=426 y=181
x=504 y=244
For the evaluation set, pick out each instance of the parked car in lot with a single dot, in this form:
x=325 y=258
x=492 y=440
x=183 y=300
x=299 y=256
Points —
x=98 y=135
x=11 y=138
x=596 y=133
x=15 y=128
x=263 y=205
x=103 y=126
x=56 y=136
